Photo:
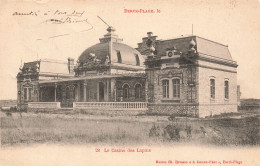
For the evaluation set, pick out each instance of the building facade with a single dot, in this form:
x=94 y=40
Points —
x=186 y=76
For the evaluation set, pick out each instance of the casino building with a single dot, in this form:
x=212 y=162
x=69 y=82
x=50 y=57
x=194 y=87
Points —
x=185 y=76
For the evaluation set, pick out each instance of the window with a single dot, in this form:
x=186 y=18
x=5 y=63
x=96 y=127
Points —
x=137 y=91
x=29 y=93
x=73 y=91
x=212 y=88
x=119 y=59
x=81 y=92
x=67 y=93
x=126 y=91
x=25 y=94
x=137 y=60
x=171 y=88
x=176 y=88
x=165 y=84
x=226 y=90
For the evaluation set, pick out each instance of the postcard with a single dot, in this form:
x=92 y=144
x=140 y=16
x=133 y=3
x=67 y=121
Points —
x=130 y=82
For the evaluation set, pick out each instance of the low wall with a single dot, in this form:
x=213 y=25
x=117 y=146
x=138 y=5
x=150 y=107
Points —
x=190 y=110
x=43 y=106
x=111 y=112
x=111 y=108
x=216 y=109
x=111 y=105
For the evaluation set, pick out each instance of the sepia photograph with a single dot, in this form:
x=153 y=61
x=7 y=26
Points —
x=130 y=82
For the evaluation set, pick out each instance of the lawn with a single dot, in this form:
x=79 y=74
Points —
x=31 y=128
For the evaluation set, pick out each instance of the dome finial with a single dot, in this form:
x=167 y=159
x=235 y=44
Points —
x=111 y=29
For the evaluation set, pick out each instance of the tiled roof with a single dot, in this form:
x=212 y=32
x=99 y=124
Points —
x=203 y=46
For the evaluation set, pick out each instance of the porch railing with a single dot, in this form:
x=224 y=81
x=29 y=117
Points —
x=111 y=105
x=53 y=105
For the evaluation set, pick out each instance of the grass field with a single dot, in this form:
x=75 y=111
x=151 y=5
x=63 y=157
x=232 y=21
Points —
x=31 y=128
x=40 y=128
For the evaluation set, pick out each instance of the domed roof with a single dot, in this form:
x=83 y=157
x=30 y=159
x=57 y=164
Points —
x=100 y=50
x=110 y=48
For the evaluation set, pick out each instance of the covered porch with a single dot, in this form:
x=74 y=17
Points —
x=99 y=91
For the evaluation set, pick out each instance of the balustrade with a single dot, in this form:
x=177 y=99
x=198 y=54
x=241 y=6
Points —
x=111 y=105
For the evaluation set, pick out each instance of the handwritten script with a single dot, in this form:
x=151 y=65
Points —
x=57 y=16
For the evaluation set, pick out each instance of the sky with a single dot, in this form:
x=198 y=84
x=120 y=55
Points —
x=34 y=36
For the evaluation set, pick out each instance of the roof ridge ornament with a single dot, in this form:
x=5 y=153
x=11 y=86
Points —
x=150 y=44
x=192 y=43
x=110 y=36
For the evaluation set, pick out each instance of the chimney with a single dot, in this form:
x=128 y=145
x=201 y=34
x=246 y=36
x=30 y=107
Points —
x=149 y=34
x=71 y=65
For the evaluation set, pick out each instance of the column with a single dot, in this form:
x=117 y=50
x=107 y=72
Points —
x=113 y=89
x=55 y=92
x=19 y=90
x=78 y=91
x=108 y=89
x=146 y=90
x=85 y=90
x=38 y=92
x=98 y=91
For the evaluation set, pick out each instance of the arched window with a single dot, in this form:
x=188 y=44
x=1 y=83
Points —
x=81 y=92
x=212 y=88
x=176 y=88
x=126 y=91
x=137 y=60
x=101 y=91
x=138 y=91
x=67 y=92
x=73 y=92
x=29 y=93
x=165 y=84
x=226 y=89
x=119 y=58
x=25 y=94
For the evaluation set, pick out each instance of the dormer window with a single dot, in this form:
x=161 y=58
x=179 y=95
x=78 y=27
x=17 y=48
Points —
x=119 y=58
x=137 y=60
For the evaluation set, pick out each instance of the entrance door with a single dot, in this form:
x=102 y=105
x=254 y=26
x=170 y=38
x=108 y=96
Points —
x=101 y=91
x=47 y=94
x=70 y=96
